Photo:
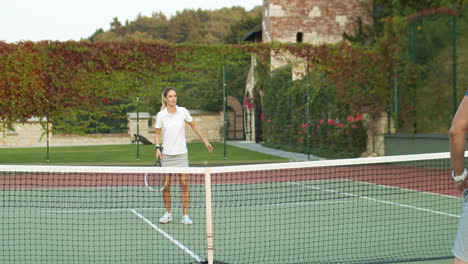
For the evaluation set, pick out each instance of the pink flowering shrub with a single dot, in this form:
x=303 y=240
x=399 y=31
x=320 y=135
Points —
x=247 y=103
x=347 y=135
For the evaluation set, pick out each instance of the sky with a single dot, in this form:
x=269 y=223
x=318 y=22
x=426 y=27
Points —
x=63 y=20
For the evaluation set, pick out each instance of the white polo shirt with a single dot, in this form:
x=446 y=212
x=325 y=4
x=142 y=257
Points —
x=173 y=130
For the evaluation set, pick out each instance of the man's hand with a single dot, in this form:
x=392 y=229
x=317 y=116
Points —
x=462 y=185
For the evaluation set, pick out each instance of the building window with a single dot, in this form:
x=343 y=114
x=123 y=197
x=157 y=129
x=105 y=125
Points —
x=299 y=36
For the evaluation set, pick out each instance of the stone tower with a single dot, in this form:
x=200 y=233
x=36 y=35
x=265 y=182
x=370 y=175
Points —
x=312 y=21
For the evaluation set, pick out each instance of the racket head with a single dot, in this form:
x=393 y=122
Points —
x=155 y=182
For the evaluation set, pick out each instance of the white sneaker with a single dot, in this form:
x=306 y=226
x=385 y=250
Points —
x=186 y=220
x=166 y=218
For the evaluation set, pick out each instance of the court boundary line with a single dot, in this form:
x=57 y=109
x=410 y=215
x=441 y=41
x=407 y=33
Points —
x=91 y=211
x=376 y=200
x=406 y=189
x=169 y=237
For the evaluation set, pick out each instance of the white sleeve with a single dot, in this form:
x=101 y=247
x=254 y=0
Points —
x=158 y=121
x=188 y=117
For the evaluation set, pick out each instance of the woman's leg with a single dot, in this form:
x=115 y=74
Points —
x=184 y=185
x=166 y=193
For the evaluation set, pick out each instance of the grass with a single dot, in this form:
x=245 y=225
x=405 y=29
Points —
x=126 y=155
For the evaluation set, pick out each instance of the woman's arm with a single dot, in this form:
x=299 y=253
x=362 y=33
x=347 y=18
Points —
x=157 y=141
x=198 y=132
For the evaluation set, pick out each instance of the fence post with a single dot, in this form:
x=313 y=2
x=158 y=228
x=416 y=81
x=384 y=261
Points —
x=225 y=111
x=47 y=148
x=454 y=59
x=414 y=59
x=138 y=128
x=308 y=112
x=395 y=95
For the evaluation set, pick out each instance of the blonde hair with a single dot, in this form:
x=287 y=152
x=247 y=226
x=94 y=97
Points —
x=164 y=94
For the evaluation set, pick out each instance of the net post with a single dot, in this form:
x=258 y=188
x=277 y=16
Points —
x=209 y=217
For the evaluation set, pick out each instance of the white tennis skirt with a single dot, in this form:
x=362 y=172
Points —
x=180 y=160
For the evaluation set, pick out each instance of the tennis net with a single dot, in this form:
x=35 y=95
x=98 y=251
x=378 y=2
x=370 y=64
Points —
x=371 y=210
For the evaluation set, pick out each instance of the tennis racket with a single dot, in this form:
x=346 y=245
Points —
x=155 y=182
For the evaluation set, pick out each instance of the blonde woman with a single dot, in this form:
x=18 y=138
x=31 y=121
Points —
x=457 y=135
x=170 y=131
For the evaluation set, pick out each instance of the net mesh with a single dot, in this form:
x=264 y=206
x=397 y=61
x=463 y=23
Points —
x=374 y=210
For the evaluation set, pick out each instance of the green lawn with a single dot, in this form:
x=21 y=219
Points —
x=126 y=155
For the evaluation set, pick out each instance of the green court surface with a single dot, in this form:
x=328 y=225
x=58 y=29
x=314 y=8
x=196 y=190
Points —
x=320 y=221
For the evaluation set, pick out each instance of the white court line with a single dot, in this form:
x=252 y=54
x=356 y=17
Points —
x=406 y=189
x=78 y=211
x=91 y=211
x=376 y=200
x=97 y=210
x=166 y=235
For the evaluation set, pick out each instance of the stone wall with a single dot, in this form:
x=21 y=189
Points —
x=27 y=134
x=377 y=127
x=210 y=124
x=31 y=133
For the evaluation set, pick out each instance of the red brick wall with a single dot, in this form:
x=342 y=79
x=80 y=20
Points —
x=318 y=20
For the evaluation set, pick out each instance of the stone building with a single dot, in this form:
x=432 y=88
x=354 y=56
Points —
x=312 y=21
x=308 y=21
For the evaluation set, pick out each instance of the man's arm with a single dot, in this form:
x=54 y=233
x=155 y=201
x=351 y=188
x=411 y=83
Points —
x=457 y=137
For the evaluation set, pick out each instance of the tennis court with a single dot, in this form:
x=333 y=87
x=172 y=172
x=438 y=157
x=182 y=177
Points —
x=306 y=212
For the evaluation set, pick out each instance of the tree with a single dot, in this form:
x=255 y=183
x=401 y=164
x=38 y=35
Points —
x=194 y=26
x=385 y=8
x=117 y=27
x=238 y=30
x=155 y=26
